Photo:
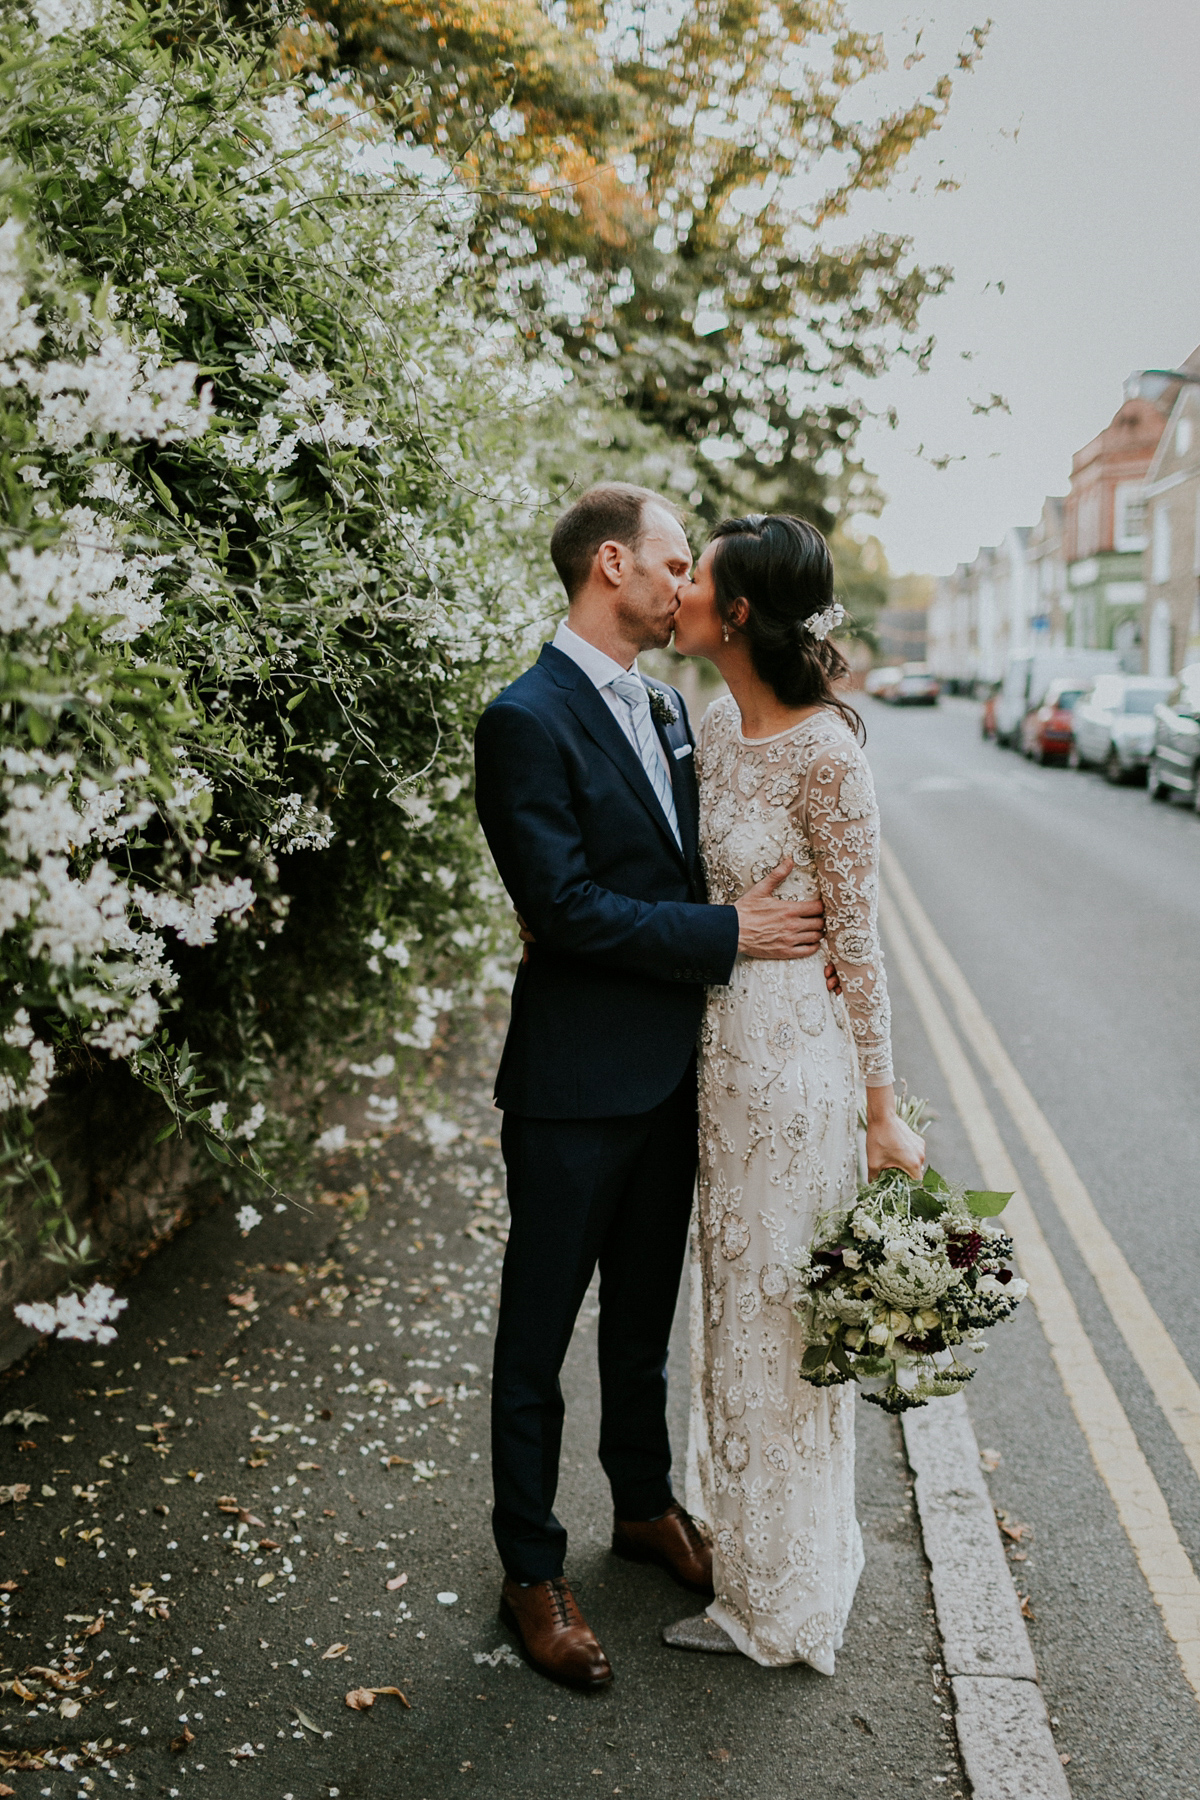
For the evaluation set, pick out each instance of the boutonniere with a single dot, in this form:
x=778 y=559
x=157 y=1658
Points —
x=662 y=709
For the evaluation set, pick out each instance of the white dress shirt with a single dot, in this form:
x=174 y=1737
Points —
x=601 y=670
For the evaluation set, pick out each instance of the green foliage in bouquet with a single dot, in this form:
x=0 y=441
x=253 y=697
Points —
x=265 y=480
x=898 y=1281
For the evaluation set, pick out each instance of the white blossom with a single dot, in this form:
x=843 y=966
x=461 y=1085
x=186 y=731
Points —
x=71 y=1317
x=252 y=1123
x=248 y=1217
x=331 y=1141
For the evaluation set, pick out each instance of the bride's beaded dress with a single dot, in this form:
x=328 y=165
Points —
x=771 y=1458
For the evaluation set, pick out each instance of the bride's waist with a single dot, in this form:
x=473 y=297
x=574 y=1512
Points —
x=796 y=974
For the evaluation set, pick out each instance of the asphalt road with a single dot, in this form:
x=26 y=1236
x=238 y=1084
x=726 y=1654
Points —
x=1073 y=909
x=281 y=1373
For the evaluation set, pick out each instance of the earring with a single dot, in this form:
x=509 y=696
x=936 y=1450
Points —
x=725 y=633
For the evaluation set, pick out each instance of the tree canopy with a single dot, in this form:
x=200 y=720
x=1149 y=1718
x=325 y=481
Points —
x=676 y=210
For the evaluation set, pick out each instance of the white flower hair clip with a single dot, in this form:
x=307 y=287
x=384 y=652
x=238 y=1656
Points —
x=821 y=624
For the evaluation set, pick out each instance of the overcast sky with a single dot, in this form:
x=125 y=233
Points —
x=1077 y=146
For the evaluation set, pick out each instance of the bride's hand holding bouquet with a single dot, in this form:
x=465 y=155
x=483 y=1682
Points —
x=891 y=1141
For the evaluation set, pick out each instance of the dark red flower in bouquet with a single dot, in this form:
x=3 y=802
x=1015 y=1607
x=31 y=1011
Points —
x=961 y=1252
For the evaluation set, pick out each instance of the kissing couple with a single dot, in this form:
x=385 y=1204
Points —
x=674 y=1032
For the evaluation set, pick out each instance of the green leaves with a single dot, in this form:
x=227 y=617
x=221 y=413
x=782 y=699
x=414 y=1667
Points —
x=986 y=1205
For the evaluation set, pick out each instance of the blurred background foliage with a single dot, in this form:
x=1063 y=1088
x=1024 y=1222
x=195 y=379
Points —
x=672 y=206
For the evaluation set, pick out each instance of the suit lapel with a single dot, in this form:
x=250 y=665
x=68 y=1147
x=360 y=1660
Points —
x=683 y=785
x=593 y=714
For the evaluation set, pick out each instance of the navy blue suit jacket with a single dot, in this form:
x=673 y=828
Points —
x=607 y=1006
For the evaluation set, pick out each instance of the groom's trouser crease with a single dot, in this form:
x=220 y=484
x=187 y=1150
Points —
x=1111 y=1440
x=616 y=1193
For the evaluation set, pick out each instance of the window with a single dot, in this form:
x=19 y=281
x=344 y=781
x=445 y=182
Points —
x=1129 y=517
x=1183 y=437
x=1144 y=699
x=1161 y=570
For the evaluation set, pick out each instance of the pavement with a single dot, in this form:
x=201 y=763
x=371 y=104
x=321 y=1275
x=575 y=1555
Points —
x=138 y=1623
x=321 y=1384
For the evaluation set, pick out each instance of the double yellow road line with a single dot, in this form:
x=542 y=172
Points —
x=1141 y=1506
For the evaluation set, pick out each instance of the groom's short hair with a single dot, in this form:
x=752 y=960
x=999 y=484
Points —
x=612 y=511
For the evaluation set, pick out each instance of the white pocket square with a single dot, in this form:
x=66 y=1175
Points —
x=682 y=751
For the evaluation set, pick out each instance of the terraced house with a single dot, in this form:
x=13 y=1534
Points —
x=1172 y=497
x=1105 y=531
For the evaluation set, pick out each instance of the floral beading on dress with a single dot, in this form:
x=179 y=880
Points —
x=770 y=1457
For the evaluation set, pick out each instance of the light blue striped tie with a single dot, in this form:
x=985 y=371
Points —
x=632 y=690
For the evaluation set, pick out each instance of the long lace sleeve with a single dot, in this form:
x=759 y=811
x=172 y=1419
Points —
x=840 y=818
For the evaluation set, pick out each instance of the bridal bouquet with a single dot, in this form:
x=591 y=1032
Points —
x=898 y=1281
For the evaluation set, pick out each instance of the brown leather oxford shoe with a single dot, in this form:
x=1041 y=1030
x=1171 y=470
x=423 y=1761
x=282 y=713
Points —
x=673 y=1542
x=554 y=1634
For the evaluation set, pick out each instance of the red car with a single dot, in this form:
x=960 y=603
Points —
x=1047 y=731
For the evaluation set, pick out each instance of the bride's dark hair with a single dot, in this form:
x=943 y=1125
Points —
x=782 y=568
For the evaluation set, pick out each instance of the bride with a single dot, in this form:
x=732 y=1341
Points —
x=782 y=779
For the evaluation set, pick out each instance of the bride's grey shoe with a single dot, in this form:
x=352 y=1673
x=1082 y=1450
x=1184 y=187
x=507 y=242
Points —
x=699 y=1633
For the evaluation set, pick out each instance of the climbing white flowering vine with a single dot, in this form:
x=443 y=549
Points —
x=267 y=477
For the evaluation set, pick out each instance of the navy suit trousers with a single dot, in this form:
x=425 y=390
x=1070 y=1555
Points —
x=615 y=1192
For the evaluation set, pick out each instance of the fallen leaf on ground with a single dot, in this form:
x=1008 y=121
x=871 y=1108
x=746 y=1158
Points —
x=96 y=1625
x=58 y=1680
x=256 y=1462
x=397 y=1581
x=1013 y=1528
x=24 y=1419
x=246 y=1301
x=307 y=1466
x=1027 y=1611
x=17 y=1492
x=266 y=1578
x=1064 y=1757
x=70 y=1709
x=21 y=1691
x=991 y=1460
x=334 y=1650
x=399 y=1462
x=306 y=1721
x=5 y=1790
x=359 y=1699
x=227 y=1504
x=185 y=1738
x=267 y=1544
x=9 y=1587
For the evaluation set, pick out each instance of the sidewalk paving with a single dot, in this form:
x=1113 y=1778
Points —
x=375 y=1466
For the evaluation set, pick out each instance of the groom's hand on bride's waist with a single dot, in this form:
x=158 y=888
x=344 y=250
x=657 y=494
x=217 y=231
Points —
x=777 y=930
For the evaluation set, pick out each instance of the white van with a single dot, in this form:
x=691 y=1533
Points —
x=1029 y=674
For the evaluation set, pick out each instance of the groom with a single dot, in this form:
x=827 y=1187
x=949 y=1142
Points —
x=586 y=789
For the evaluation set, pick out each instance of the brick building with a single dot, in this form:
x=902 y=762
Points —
x=1104 y=532
x=1171 y=625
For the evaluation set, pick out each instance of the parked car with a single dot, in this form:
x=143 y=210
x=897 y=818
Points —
x=989 y=693
x=1047 y=730
x=1028 y=674
x=879 y=682
x=916 y=687
x=1175 y=759
x=1115 y=724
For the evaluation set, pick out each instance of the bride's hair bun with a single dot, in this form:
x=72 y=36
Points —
x=782 y=568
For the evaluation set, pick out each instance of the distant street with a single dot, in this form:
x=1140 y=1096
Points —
x=1072 y=910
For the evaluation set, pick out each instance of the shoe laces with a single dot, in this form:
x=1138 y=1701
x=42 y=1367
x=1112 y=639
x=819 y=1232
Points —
x=563 y=1600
